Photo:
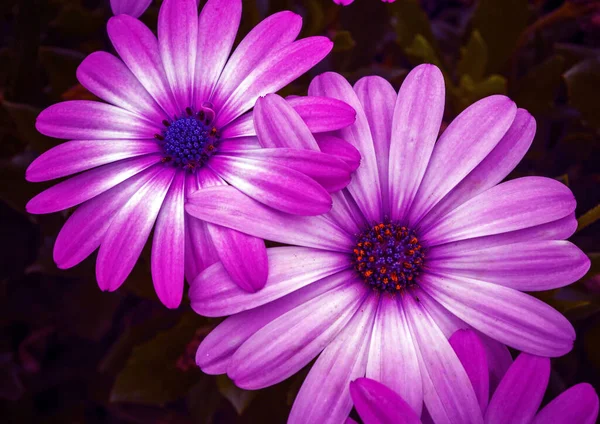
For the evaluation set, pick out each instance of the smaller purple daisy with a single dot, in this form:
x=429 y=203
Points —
x=516 y=399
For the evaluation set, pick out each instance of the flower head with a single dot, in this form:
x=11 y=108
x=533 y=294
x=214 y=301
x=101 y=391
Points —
x=517 y=398
x=422 y=242
x=174 y=122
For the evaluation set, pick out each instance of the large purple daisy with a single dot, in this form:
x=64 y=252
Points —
x=173 y=123
x=516 y=399
x=422 y=242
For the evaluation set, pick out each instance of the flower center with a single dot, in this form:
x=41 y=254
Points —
x=388 y=257
x=189 y=141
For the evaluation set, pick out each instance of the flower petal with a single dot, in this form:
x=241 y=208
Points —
x=392 y=356
x=279 y=125
x=84 y=119
x=199 y=250
x=520 y=392
x=108 y=77
x=274 y=32
x=85 y=186
x=291 y=341
x=365 y=187
x=579 y=404
x=84 y=230
x=414 y=130
x=498 y=357
x=80 y=155
x=177 y=42
x=509 y=206
x=129 y=7
x=471 y=353
x=129 y=230
x=378 y=404
x=217 y=27
x=276 y=186
x=168 y=245
x=509 y=316
x=213 y=293
x=447 y=391
x=138 y=48
x=341 y=148
x=231 y=208
x=215 y=352
x=244 y=257
x=377 y=97
x=528 y=266
x=493 y=169
x=325 y=394
x=464 y=144
x=326 y=169
x=274 y=72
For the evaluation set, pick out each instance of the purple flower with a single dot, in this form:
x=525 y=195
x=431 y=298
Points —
x=175 y=122
x=133 y=8
x=516 y=399
x=422 y=242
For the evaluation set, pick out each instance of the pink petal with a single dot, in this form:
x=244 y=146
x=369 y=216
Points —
x=199 y=250
x=133 y=8
x=378 y=404
x=498 y=357
x=579 y=404
x=338 y=147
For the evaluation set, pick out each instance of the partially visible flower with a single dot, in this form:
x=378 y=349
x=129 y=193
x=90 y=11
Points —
x=133 y=8
x=347 y=2
x=516 y=399
x=175 y=122
x=423 y=241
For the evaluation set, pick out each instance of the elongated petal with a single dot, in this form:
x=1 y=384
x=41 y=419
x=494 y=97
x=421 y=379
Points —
x=271 y=34
x=84 y=230
x=498 y=358
x=84 y=119
x=378 y=97
x=327 y=170
x=325 y=394
x=273 y=73
x=345 y=214
x=378 y=404
x=244 y=257
x=129 y=230
x=85 y=186
x=168 y=245
x=464 y=144
x=138 y=48
x=80 y=155
x=279 y=125
x=108 y=77
x=509 y=316
x=528 y=266
x=217 y=28
x=447 y=391
x=365 y=187
x=216 y=350
x=579 y=404
x=493 y=169
x=200 y=252
x=509 y=206
x=471 y=353
x=129 y=7
x=338 y=147
x=392 y=355
x=213 y=293
x=287 y=344
x=320 y=114
x=414 y=130
x=229 y=207
x=276 y=186
x=177 y=42
x=520 y=392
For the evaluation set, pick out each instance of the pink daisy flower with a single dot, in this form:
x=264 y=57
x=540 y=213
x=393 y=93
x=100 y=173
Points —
x=422 y=242
x=175 y=122
x=516 y=399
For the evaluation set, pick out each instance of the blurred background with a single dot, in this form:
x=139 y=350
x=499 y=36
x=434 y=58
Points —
x=70 y=353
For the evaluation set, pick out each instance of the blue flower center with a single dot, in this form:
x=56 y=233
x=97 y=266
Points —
x=188 y=142
x=388 y=257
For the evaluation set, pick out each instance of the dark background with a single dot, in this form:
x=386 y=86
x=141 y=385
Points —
x=71 y=353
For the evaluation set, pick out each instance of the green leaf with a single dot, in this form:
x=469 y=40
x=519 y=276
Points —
x=469 y=91
x=343 y=41
x=421 y=51
x=474 y=57
x=500 y=23
x=536 y=91
x=411 y=20
x=583 y=83
x=588 y=218
x=239 y=398
x=157 y=371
